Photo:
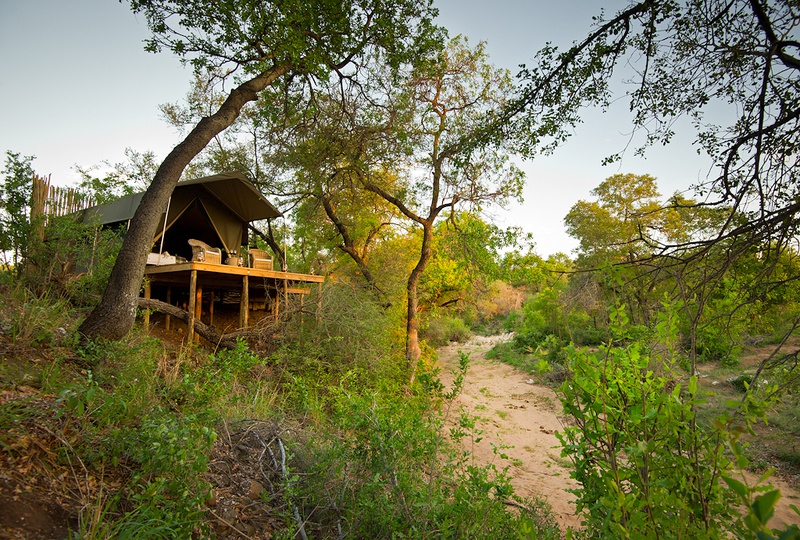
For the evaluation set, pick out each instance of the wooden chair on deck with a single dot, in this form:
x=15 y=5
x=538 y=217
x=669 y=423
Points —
x=202 y=252
x=260 y=259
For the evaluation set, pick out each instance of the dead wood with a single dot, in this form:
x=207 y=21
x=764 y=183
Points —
x=200 y=327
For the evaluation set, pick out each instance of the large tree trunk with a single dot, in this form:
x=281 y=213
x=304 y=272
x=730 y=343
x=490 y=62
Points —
x=413 y=350
x=115 y=314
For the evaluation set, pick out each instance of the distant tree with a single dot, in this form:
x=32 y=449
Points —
x=621 y=224
x=259 y=43
x=15 y=202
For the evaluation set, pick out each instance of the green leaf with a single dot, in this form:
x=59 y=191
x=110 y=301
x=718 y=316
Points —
x=737 y=486
x=765 y=476
x=792 y=533
x=764 y=505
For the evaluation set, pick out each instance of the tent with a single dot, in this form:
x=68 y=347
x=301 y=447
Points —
x=215 y=209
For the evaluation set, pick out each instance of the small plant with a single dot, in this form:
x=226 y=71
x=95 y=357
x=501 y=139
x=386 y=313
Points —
x=741 y=382
x=80 y=399
x=759 y=499
x=236 y=363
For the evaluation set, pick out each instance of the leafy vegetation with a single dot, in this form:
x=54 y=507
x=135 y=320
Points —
x=387 y=143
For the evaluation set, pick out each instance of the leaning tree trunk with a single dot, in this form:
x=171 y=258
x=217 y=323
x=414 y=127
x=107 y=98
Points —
x=115 y=314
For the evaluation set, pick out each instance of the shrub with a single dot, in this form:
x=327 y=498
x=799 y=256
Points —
x=34 y=320
x=352 y=340
x=636 y=445
x=75 y=260
x=441 y=331
x=167 y=491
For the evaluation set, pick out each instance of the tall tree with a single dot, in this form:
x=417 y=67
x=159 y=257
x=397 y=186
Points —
x=450 y=95
x=260 y=42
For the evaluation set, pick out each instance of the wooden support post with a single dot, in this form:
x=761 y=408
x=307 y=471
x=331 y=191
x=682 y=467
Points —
x=192 y=301
x=277 y=307
x=198 y=305
x=147 y=311
x=244 y=302
x=169 y=301
x=285 y=294
x=211 y=310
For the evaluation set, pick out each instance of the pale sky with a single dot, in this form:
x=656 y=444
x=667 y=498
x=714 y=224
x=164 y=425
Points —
x=76 y=87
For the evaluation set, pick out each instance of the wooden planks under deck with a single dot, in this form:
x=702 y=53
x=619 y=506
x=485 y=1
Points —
x=199 y=275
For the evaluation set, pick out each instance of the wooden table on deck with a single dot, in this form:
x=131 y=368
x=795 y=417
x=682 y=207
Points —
x=197 y=275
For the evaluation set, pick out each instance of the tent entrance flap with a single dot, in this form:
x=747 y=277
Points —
x=227 y=226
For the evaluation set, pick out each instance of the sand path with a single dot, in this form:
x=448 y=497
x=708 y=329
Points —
x=517 y=414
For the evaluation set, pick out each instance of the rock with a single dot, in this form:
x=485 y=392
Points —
x=59 y=335
x=229 y=515
x=255 y=489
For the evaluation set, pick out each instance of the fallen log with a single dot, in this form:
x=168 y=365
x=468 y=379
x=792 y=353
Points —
x=200 y=327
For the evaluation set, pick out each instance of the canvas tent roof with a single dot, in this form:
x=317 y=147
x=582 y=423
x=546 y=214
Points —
x=221 y=205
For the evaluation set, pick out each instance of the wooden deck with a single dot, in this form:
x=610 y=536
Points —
x=249 y=282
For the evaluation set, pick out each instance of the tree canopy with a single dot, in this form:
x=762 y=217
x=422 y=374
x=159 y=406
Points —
x=256 y=44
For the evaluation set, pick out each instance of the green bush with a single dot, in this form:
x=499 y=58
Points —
x=636 y=444
x=74 y=260
x=34 y=320
x=441 y=331
x=235 y=363
x=118 y=417
x=168 y=492
x=352 y=341
x=544 y=322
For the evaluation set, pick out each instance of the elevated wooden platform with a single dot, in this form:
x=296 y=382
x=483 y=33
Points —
x=272 y=286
